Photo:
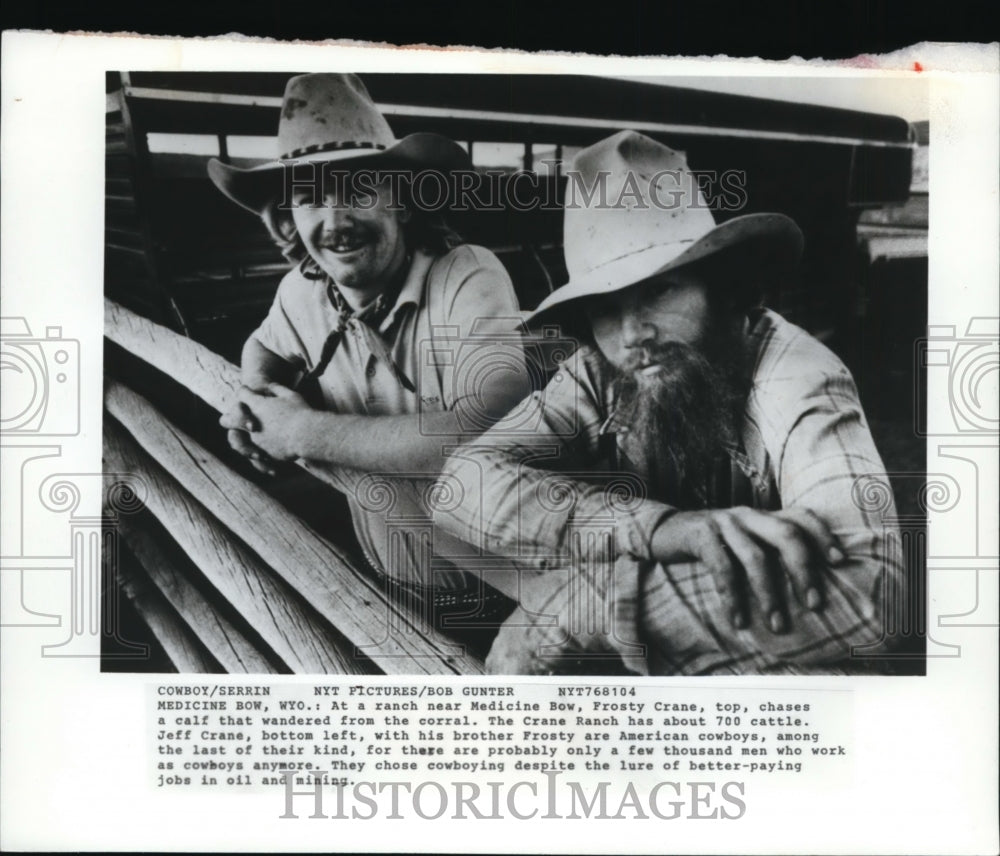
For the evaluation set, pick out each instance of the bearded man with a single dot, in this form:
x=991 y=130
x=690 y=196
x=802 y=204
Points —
x=742 y=548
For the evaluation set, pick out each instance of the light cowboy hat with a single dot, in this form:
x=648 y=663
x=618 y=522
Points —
x=329 y=118
x=634 y=211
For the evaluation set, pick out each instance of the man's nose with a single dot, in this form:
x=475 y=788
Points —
x=336 y=215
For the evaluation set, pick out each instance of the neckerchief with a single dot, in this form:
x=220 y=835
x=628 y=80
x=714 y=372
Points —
x=372 y=316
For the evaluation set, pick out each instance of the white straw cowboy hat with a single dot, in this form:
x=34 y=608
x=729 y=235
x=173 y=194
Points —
x=648 y=218
x=331 y=118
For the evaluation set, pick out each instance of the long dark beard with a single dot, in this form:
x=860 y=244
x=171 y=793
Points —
x=680 y=418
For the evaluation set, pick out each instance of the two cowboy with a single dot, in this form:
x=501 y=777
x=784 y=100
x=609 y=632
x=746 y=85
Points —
x=741 y=551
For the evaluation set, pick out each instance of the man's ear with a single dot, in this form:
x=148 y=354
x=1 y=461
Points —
x=281 y=227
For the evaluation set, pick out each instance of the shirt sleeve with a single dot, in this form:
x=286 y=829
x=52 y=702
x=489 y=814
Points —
x=279 y=331
x=823 y=459
x=829 y=465
x=478 y=325
x=529 y=485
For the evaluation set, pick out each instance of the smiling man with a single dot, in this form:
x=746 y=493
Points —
x=367 y=359
x=742 y=548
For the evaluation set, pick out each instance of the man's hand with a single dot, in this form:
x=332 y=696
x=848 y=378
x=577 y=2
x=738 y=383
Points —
x=277 y=414
x=752 y=555
x=240 y=422
x=261 y=460
x=263 y=425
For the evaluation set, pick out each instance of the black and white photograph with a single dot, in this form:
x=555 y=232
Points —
x=526 y=374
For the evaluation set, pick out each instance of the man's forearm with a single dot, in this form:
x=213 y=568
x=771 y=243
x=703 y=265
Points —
x=410 y=443
x=260 y=366
x=511 y=507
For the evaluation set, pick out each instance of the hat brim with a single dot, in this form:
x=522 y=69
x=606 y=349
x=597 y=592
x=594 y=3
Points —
x=773 y=242
x=254 y=188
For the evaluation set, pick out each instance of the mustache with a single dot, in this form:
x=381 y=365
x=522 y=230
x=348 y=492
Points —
x=679 y=362
x=356 y=234
x=649 y=352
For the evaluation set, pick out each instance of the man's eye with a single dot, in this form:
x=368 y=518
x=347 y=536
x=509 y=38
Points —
x=306 y=200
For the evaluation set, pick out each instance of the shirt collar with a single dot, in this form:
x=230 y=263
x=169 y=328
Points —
x=411 y=292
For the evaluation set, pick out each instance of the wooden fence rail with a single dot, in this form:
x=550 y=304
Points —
x=211 y=377
x=268 y=605
x=228 y=644
x=260 y=557
x=175 y=636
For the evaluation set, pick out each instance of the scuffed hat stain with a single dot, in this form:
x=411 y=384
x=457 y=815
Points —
x=292 y=106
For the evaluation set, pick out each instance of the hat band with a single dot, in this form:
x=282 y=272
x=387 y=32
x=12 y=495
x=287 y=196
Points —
x=330 y=147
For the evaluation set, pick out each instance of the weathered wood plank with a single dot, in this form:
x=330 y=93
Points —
x=302 y=641
x=313 y=566
x=177 y=639
x=212 y=378
x=226 y=643
x=215 y=380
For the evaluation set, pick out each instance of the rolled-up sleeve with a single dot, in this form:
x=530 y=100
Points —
x=285 y=331
x=478 y=337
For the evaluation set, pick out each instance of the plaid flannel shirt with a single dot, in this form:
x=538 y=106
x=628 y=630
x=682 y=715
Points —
x=555 y=485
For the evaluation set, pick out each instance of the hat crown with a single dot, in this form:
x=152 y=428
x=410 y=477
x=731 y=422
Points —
x=324 y=112
x=629 y=195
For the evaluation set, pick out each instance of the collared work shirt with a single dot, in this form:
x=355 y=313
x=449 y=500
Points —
x=804 y=444
x=454 y=314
